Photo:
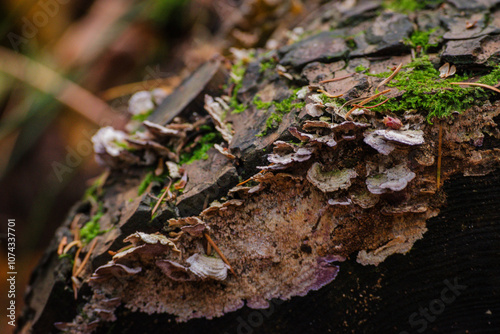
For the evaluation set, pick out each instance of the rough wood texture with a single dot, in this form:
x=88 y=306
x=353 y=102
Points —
x=337 y=195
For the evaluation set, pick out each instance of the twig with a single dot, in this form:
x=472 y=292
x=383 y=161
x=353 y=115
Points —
x=328 y=94
x=157 y=205
x=336 y=79
x=440 y=142
x=371 y=107
x=62 y=243
x=390 y=77
x=86 y=258
x=71 y=244
x=250 y=179
x=476 y=84
x=365 y=101
x=211 y=242
x=75 y=260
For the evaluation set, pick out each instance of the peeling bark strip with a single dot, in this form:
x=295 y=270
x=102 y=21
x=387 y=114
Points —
x=328 y=189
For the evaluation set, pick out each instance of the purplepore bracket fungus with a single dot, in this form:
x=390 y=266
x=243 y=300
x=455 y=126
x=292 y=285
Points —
x=145 y=245
x=207 y=267
x=382 y=140
x=330 y=181
x=112 y=269
x=285 y=154
x=392 y=179
x=175 y=271
x=328 y=140
x=216 y=109
x=160 y=131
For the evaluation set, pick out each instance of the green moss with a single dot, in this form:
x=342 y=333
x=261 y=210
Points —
x=424 y=91
x=259 y=104
x=269 y=64
x=200 y=150
x=408 y=6
x=238 y=71
x=145 y=183
x=92 y=228
x=361 y=68
x=421 y=38
x=142 y=117
x=350 y=43
x=280 y=109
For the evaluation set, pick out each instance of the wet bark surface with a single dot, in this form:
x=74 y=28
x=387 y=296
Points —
x=344 y=236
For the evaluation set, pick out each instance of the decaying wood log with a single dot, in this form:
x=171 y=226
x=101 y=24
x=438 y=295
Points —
x=342 y=224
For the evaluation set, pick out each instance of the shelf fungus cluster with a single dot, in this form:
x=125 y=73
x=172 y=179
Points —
x=332 y=189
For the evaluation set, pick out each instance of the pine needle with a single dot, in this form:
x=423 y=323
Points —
x=476 y=84
x=390 y=77
x=212 y=243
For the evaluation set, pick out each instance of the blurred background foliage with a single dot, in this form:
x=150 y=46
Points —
x=68 y=67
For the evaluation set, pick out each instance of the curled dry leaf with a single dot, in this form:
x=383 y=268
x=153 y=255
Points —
x=446 y=70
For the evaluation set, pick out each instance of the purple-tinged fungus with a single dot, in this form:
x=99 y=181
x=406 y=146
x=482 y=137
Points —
x=144 y=244
x=284 y=154
x=217 y=109
x=217 y=206
x=312 y=138
x=173 y=170
x=160 y=131
x=141 y=103
x=175 y=271
x=392 y=179
x=378 y=143
x=224 y=151
x=339 y=201
x=113 y=270
x=108 y=147
x=207 y=267
x=407 y=137
x=332 y=180
x=364 y=199
x=382 y=140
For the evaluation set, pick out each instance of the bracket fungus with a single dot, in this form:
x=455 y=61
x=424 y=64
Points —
x=332 y=180
x=383 y=140
x=392 y=179
x=207 y=267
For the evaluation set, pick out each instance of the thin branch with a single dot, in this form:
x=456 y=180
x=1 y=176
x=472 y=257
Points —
x=371 y=107
x=476 y=84
x=336 y=79
x=365 y=101
x=440 y=143
x=328 y=94
x=157 y=205
x=86 y=258
x=390 y=77
x=212 y=243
